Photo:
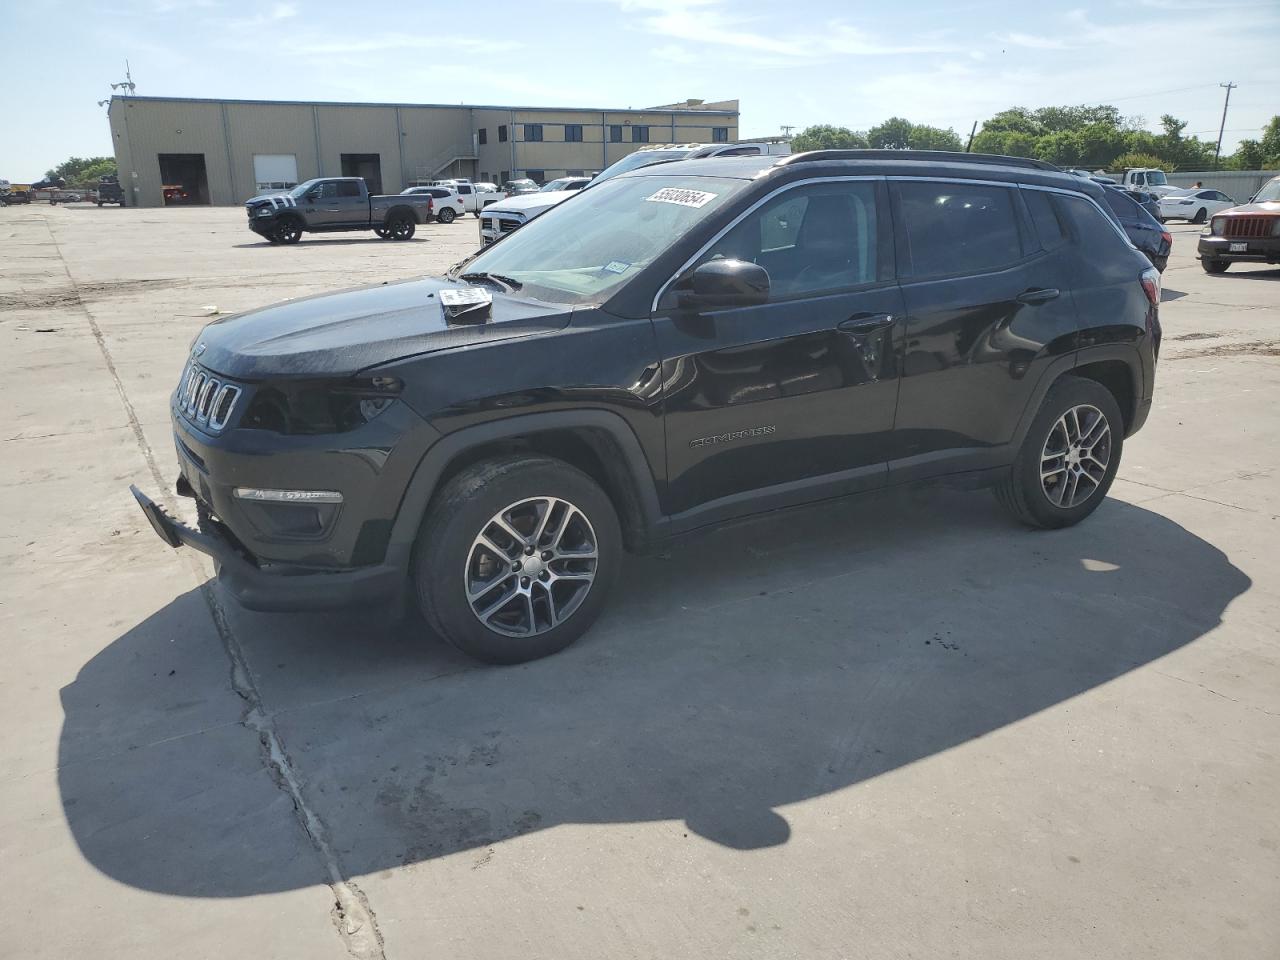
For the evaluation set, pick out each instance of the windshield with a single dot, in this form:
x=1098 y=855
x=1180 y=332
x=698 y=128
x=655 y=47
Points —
x=634 y=161
x=1156 y=178
x=554 y=185
x=1269 y=192
x=583 y=249
x=298 y=191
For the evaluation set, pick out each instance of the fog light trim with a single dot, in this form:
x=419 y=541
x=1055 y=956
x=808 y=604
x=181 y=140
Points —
x=287 y=496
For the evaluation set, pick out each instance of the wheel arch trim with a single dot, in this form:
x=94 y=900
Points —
x=435 y=462
x=1126 y=353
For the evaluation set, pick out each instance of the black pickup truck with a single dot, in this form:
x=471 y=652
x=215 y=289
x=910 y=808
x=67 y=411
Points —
x=333 y=204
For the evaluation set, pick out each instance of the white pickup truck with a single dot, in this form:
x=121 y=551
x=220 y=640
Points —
x=475 y=196
x=1147 y=180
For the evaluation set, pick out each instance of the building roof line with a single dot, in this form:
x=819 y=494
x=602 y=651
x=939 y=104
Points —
x=687 y=111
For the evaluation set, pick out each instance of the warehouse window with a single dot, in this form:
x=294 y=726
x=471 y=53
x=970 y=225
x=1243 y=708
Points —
x=537 y=176
x=484 y=135
x=639 y=134
x=533 y=132
x=506 y=175
x=615 y=133
x=719 y=134
x=573 y=133
x=502 y=133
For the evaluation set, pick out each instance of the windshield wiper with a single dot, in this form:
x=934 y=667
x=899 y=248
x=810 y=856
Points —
x=507 y=284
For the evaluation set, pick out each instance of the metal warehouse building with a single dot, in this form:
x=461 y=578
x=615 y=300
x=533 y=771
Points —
x=175 y=150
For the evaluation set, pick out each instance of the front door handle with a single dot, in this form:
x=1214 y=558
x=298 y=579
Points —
x=866 y=322
x=1038 y=295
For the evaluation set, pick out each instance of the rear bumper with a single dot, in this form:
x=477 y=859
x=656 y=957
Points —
x=1257 y=249
x=276 y=587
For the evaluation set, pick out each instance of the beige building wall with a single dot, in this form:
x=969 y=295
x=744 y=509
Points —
x=412 y=142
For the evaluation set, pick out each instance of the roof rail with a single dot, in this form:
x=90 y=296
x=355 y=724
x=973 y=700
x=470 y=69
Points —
x=938 y=156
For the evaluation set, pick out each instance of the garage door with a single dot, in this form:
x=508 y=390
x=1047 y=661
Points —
x=275 y=171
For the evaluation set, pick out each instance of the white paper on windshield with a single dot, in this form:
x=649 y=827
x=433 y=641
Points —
x=685 y=198
x=617 y=266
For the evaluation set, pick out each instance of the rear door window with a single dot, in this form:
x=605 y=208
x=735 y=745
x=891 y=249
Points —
x=959 y=228
x=1091 y=229
x=348 y=188
x=1045 y=219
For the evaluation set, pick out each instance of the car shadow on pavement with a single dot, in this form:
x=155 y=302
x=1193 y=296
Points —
x=763 y=665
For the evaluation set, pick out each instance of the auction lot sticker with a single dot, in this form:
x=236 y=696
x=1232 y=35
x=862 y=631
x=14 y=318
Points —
x=685 y=198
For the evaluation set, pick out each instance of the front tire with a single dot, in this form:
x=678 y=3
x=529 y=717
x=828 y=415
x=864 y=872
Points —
x=1069 y=457
x=446 y=215
x=289 y=231
x=516 y=557
x=1215 y=266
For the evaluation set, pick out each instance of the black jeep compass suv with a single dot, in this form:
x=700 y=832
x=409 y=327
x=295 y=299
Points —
x=684 y=344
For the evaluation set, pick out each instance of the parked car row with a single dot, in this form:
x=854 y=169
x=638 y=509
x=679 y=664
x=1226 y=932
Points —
x=1249 y=233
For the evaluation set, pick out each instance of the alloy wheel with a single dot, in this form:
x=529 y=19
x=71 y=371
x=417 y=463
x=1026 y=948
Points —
x=531 y=566
x=1075 y=457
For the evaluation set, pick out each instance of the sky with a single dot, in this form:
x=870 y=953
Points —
x=846 y=62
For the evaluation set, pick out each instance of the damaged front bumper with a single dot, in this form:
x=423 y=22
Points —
x=275 y=586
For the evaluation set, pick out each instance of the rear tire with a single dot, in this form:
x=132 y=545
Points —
x=401 y=228
x=446 y=215
x=465 y=562
x=1201 y=216
x=1215 y=266
x=1069 y=457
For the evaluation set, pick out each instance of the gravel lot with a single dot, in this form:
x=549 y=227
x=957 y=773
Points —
x=896 y=727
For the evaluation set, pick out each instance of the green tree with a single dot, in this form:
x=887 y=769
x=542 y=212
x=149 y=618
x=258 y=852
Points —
x=1248 y=156
x=1127 y=160
x=82 y=170
x=923 y=137
x=893 y=134
x=1270 y=144
x=826 y=137
x=1005 y=143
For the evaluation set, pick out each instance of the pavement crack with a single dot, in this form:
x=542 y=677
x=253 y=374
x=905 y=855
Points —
x=352 y=916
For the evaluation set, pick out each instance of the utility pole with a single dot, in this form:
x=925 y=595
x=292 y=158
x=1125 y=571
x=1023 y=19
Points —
x=786 y=130
x=1218 y=149
x=968 y=147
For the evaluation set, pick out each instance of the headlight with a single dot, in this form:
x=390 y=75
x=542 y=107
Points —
x=263 y=212
x=320 y=406
x=1219 y=226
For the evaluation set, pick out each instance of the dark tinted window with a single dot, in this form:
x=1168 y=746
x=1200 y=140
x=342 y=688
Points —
x=328 y=190
x=639 y=134
x=1121 y=205
x=533 y=131
x=536 y=175
x=615 y=133
x=1092 y=230
x=719 y=134
x=348 y=188
x=1045 y=218
x=959 y=228
x=484 y=135
x=810 y=239
x=502 y=133
x=573 y=132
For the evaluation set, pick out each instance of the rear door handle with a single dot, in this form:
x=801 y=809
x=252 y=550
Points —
x=1040 y=295
x=866 y=322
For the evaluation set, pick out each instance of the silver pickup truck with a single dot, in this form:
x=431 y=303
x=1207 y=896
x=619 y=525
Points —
x=333 y=204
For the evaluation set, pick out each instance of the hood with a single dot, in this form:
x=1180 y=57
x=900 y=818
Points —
x=1271 y=207
x=277 y=200
x=339 y=334
x=532 y=204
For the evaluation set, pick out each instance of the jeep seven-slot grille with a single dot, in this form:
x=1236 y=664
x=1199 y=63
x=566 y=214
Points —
x=1248 y=226
x=207 y=400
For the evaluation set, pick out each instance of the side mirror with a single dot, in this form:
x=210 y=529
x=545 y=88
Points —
x=727 y=283
x=313 y=195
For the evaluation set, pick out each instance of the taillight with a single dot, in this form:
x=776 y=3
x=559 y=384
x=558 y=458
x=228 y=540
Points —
x=1151 y=285
x=1167 y=238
